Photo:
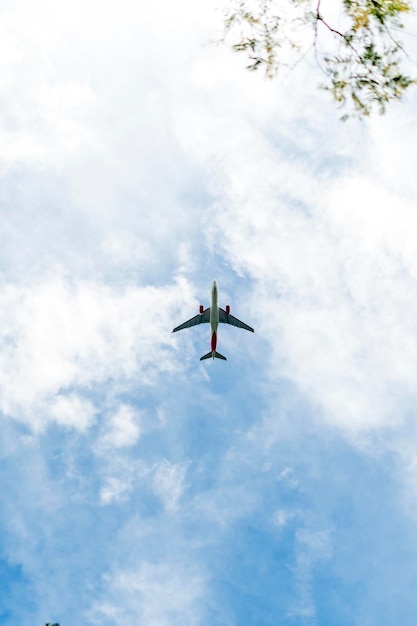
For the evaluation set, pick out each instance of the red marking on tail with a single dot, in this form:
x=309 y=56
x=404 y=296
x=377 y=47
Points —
x=213 y=341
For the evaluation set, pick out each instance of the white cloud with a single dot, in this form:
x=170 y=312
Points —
x=57 y=334
x=120 y=476
x=122 y=429
x=311 y=546
x=114 y=489
x=156 y=594
x=168 y=483
x=281 y=518
x=110 y=149
x=73 y=411
x=93 y=177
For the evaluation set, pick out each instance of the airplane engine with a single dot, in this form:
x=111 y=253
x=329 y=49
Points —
x=201 y=309
x=228 y=309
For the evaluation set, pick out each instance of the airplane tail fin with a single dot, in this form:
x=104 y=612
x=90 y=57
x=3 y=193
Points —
x=212 y=355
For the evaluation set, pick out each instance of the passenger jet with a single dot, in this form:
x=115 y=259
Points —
x=215 y=315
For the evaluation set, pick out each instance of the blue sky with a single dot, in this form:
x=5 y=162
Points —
x=140 y=486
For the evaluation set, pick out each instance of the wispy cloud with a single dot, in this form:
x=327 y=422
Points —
x=139 y=485
x=57 y=335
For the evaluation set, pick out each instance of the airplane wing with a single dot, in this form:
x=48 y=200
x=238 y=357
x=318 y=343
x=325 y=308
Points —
x=201 y=318
x=224 y=318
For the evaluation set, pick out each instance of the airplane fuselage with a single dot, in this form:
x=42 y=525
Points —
x=214 y=316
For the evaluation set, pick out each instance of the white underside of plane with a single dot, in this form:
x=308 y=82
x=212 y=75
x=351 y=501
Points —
x=215 y=315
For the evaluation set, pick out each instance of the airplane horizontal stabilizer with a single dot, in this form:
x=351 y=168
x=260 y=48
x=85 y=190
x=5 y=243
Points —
x=217 y=355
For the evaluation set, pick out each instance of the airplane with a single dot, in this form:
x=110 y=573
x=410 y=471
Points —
x=215 y=315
